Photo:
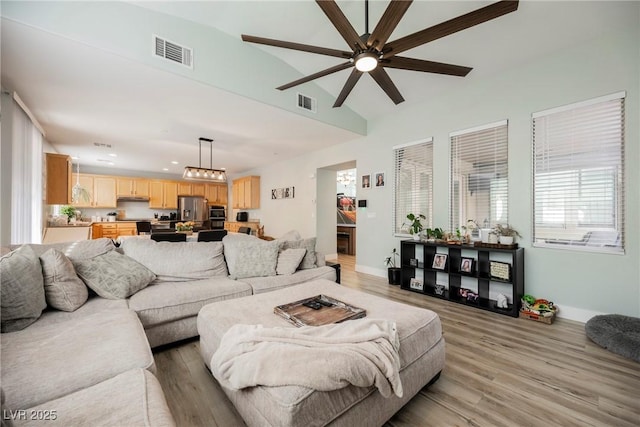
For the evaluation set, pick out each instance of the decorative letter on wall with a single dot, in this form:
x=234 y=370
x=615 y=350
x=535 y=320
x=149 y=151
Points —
x=283 y=193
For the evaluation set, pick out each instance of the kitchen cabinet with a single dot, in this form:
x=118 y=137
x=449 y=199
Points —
x=198 y=189
x=216 y=194
x=184 y=189
x=233 y=226
x=126 y=186
x=58 y=179
x=113 y=230
x=163 y=195
x=246 y=192
x=101 y=190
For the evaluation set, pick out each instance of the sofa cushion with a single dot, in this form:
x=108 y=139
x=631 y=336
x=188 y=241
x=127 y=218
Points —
x=62 y=287
x=290 y=235
x=169 y=301
x=133 y=398
x=22 y=291
x=113 y=275
x=53 y=360
x=248 y=256
x=177 y=261
x=266 y=284
x=289 y=260
x=77 y=250
x=309 y=260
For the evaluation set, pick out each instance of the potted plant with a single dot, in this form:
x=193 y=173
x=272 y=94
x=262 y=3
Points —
x=506 y=234
x=393 y=271
x=69 y=211
x=435 y=233
x=416 y=225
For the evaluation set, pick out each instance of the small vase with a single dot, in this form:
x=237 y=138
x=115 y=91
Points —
x=416 y=236
x=506 y=240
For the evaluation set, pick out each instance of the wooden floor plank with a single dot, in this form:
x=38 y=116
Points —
x=500 y=371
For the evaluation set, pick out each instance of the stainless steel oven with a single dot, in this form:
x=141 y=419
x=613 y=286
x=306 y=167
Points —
x=217 y=217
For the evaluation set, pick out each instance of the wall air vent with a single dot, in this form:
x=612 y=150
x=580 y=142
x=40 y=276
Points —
x=173 y=52
x=307 y=103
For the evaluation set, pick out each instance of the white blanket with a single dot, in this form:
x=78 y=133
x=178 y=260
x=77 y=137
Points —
x=362 y=352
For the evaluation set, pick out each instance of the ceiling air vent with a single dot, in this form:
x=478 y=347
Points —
x=172 y=51
x=307 y=103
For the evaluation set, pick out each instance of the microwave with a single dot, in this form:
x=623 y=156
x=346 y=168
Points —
x=242 y=216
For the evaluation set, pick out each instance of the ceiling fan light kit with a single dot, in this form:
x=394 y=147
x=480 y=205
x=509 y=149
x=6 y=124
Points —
x=205 y=174
x=370 y=53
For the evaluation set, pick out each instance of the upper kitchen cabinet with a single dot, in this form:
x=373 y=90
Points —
x=163 y=195
x=132 y=187
x=198 y=190
x=191 y=189
x=58 y=179
x=100 y=189
x=216 y=194
x=246 y=192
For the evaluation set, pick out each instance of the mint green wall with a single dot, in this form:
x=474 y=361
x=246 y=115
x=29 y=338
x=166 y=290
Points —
x=220 y=60
x=582 y=284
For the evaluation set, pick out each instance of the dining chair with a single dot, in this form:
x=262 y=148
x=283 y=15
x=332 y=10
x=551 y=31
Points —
x=143 y=227
x=245 y=230
x=169 y=237
x=211 y=235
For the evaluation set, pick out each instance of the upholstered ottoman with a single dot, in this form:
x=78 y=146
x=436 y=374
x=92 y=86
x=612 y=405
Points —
x=421 y=352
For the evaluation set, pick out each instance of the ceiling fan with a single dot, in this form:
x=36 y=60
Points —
x=371 y=53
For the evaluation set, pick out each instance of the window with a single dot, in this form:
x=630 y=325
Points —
x=478 y=183
x=578 y=156
x=413 y=187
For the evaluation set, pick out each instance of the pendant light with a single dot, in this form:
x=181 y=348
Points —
x=203 y=174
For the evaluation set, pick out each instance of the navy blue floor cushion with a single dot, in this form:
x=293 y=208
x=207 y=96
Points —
x=617 y=333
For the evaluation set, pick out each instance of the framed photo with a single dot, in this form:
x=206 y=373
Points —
x=466 y=265
x=416 y=284
x=413 y=262
x=500 y=270
x=379 y=179
x=366 y=181
x=439 y=261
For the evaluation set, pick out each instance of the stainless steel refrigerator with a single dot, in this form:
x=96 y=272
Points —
x=193 y=208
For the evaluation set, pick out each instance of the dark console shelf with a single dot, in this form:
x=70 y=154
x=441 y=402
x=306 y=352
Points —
x=416 y=265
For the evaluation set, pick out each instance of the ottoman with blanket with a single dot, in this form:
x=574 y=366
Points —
x=415 y=349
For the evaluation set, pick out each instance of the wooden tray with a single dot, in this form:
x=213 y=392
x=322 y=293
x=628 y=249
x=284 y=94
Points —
x=301 y=315
x=537 y=317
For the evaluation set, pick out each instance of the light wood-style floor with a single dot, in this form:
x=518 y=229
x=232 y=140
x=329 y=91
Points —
x=499 y=371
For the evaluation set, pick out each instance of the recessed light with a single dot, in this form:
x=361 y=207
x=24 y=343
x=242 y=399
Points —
x=75 y=158
x=165 y=169
x=173 y=162
x=111 y=164
x=113 y=155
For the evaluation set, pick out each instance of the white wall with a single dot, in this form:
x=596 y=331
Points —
x=582 y=284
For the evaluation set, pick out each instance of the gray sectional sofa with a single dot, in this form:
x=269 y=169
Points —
x=92 y=364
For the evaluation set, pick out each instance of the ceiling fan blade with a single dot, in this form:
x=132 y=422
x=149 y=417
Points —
x=348 y=86
x=412 y=64
x=382 y=78
x=389 y=21
x=297 y=46
x=342 y=24
x=314 y=76
x=451 y=26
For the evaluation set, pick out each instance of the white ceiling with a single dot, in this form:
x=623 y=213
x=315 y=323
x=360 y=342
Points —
x=82 y=95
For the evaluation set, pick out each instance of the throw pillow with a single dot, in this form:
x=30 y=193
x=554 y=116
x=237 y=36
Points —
x=249 y=256
x=113 y=275
x=290 y=235
x=177 y=261
x=289 y=260
x=63 y=289
x=22 y=289
x=309 y=260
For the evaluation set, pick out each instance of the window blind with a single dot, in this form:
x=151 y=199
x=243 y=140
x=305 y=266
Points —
x=413 y=184
x=478 y=184
x=578 y=175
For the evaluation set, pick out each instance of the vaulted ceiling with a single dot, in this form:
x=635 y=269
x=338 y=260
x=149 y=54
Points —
x=86 y=86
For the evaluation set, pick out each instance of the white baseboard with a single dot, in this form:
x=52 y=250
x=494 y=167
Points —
x=577 y=314
x=331 y=256
x=372 y=271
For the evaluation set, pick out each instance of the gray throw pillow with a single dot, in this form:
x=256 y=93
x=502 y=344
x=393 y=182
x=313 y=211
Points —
x=290 y=235
x=248 y=256
x=22 y=292
x=63 y=288
x=309 y=260
x=289 y=260
x=113 y=275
